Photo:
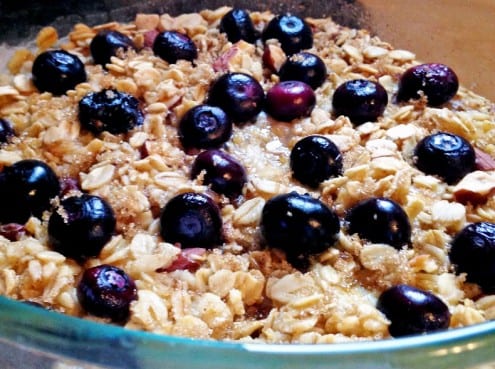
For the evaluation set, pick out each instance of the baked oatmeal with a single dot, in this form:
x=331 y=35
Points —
x=245 y=176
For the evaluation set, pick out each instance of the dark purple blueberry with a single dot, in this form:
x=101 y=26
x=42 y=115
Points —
x=109 y=43
x=237 y=24
x=472 y=251
x=81 y=226
x=191 y=220
x=288 y=100
x=446 y=155
x=314 y=159
x=380 y=220
x=239 y=95
x=172 y=46
x=203 y=127
x=6 y=131
x=222 y=172
x=109 y=110
x=360 y=100
x=107 y=291
x=57 y=71
x=298 y=224
x=27 y=188
x=306 y=67
x=293 y=33
x=413 y=311
x=438 y=83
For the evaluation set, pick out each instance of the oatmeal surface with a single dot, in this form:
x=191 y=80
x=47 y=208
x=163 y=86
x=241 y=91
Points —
x=242 y=290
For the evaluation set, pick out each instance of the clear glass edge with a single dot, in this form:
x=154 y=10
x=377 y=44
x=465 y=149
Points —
x=65 y=336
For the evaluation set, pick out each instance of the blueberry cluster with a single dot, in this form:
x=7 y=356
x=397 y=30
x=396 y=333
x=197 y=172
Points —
x=302 y=226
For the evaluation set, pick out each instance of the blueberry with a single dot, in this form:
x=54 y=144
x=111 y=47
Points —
x=239 y=95
x=204 y=126
x=306 y=67
x=438 y=83
x=237 y=24
x=109 y=43
x=298 y=224
x=360 y=100
x=289 y=100
x=81 y=226
x=293 y=33
x=191 y=220
x=57 y=71
x=222 y=172
x=380 y=220
x=413 y=311
x=172 y=46
x=314 y=159
x=472 y=251
x=107 y=291
x=446 y=155
x=27 y=188
x=109 y=110
x=6 y=131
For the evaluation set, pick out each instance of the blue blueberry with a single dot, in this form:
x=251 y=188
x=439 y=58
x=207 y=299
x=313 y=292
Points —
x=314 y=159
x=360 y=100
x=109 y=110
x=192 y=220
x=436 y=81
x=413 y=311
x=108 y=43
x=446 y=155
x=380 y=220
x=293 y=33
x=57 y=71
x=81 y=226
x=172 y=46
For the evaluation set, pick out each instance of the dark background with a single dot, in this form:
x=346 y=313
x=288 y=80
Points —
x=21 y=19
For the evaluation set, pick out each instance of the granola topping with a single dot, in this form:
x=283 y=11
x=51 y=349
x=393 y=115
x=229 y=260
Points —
x=242 y=287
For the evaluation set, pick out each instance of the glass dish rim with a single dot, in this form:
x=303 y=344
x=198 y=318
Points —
x=11 y=309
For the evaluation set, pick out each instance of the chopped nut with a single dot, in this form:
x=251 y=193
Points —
x=484 y=161
x=475 y=187
x=273 y=57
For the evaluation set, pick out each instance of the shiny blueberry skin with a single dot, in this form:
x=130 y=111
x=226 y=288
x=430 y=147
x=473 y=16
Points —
x=81 y=226
x=6 y=131
x=298 y=224
x=288 y=100
x=438 y=82
x=293 y=33
x=413 y=311
x=314 y=159
x=172 y=46
x=237 y=24
x=27 y=188
x=224 y=174
x=191 y=220
x=57 y=71
x=446 y=155
x=472 y=252
x=360 y=100
x=107 y=291
x=239 y=95
x=380 y=220
x=109 y=110
x=109 y=43
x=204 y=126
x=306 y=67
